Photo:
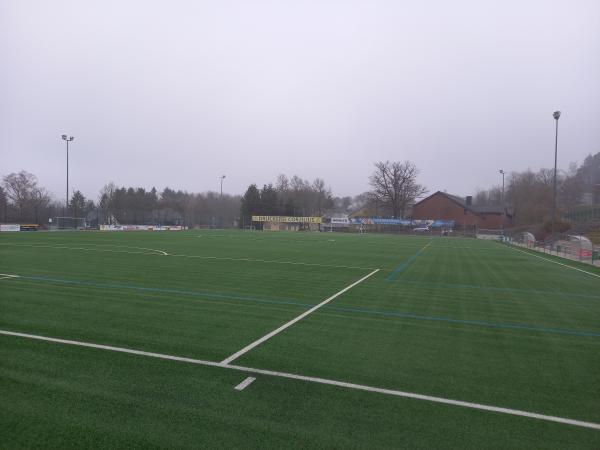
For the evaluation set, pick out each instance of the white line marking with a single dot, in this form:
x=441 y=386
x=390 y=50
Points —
x=244 y=384
x=64 y=247
x=154 y=250
x=556 y=262
x=360 y=387
x=4 y=276
x=273 y=261
x=293 y=321
x=219 y=258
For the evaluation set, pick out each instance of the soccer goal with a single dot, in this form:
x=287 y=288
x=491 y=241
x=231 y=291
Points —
x=67 y=223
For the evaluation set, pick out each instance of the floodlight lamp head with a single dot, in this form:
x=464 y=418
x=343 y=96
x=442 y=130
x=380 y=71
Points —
x=71 y=138
x=223 y=176
x=556 y=115
x=502 y=171
x=64 y=137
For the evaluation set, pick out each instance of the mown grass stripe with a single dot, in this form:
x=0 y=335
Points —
x=294 y=302
x=212 y=295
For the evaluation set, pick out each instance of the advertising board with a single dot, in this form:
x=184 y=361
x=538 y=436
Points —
x=286 y=219
x=10 y=227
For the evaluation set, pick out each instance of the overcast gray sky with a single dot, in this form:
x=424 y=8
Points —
x=177 y=93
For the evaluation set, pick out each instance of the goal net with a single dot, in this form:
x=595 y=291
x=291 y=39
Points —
x=67 y=223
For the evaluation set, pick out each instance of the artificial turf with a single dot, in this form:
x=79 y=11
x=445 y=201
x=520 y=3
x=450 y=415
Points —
x=455 y=318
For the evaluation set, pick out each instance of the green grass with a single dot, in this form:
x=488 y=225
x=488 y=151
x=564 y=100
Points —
x=455 y=318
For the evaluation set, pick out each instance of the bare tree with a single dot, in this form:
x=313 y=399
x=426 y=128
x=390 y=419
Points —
x=40 y=200
x=282 y=184
x=3 y=205
x=25 y=195
x=395 y=186
x=19 y=188
x=488 y=197
x=321 y=194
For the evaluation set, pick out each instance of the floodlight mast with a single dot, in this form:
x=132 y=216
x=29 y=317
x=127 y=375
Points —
x=222 y=177
x=67 y=140
x=502 y=172
x=556 y=116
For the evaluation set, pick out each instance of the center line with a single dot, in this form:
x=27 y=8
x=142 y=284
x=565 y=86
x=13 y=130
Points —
x=293 y=321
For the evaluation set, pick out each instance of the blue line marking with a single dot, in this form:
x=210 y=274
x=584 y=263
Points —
x=212 y=295
x=404 y=264
x=466 y=322
x=405 y=315
x=440 y=284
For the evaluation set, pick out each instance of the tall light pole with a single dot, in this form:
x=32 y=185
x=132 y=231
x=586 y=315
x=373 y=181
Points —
x=221 y=199
x=556 y=116
x=502 y=200
x=67 y=139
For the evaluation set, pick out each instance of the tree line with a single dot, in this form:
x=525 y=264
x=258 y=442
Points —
x=529 y=195
x=394 y=190
x=287 y=197
x=23 y=200
x=170 y=207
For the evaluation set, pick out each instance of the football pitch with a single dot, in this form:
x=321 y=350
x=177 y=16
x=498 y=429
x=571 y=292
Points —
x=330 y=340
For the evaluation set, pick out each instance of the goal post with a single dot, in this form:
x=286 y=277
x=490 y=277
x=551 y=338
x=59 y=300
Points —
x=67 y=223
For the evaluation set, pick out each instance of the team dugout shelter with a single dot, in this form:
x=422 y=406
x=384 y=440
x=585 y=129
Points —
x=286 y=223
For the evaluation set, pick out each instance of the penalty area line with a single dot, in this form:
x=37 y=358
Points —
x=342 y=384
x=293 y=321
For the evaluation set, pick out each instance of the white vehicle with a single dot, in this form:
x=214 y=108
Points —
x=421 y=229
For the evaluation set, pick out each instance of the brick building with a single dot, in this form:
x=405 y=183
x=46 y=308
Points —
x=442 y=206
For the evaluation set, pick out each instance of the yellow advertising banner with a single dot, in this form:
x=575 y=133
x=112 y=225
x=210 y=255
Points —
x=286 y=219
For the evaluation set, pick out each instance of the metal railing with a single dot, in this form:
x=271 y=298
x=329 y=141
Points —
x=572 y=247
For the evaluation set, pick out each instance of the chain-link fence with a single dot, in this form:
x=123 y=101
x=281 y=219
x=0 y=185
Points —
x=570 y=246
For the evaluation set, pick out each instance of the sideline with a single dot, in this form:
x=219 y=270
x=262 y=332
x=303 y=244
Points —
x=555 y=262
x=360 y=387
